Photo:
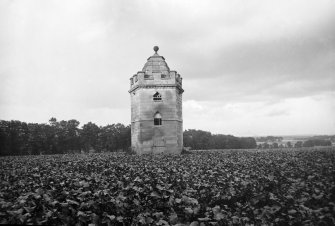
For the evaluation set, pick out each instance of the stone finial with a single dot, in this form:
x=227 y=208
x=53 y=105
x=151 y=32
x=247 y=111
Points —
x=156 y=49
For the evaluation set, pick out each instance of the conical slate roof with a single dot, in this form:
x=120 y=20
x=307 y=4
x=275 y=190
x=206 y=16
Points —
x=156 y=63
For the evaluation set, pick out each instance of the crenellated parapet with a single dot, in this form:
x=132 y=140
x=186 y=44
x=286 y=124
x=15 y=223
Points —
x=142 y=80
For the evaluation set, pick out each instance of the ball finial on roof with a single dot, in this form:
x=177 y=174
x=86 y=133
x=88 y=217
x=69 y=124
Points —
x=156 y=49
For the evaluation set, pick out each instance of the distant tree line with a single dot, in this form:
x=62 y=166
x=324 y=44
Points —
x=313 y=143
x=203 y=140
x=324 y=137
x=58 y=137
x=269 y=139
x=298 y=144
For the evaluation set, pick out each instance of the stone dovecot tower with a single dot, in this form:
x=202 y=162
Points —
x=156 y=108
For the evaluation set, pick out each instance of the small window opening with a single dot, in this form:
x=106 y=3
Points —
x=157 y=119
x=163 y=75
x=146 y=76
x=157 y=96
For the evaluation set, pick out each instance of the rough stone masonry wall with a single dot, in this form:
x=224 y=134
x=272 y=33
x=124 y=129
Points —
x=148 y=138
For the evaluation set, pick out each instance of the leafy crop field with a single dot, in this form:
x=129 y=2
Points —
x=277 y=187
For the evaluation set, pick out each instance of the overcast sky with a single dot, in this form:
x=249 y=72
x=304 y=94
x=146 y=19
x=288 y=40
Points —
x=249 y=68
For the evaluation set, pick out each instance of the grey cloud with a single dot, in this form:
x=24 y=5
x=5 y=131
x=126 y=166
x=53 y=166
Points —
x=80 y=54
x=275 y=113
x=296 y=66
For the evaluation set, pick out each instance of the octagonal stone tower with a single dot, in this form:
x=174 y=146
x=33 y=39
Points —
x=156 y=108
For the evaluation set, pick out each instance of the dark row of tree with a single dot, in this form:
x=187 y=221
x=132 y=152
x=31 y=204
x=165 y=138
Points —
x=298 y=144
x=269 y=139
x=324 y=137
x=313 y=143
x=58 y=137
x=275 y=139
x=203 y=140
